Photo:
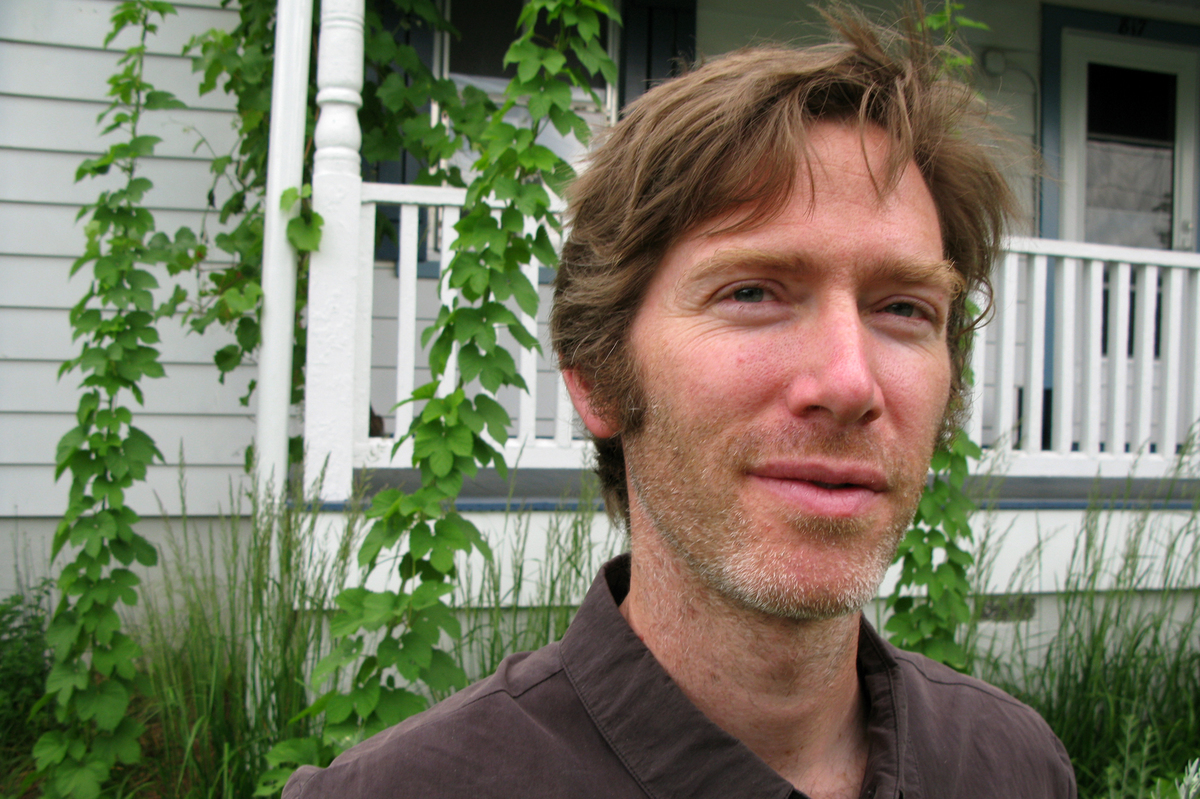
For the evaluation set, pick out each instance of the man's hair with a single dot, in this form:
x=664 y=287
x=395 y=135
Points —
x=730 y=138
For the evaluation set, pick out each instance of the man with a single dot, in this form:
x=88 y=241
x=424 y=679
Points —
x=761 y=318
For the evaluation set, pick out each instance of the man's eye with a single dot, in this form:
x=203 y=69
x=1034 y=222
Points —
x=901 y=309
x=750 y=294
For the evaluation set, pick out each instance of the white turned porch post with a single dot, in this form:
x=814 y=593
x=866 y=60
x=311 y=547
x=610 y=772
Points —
x=332 y=287
x=285 y=162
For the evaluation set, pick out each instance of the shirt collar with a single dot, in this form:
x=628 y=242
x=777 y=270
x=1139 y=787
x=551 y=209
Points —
x=667 y=744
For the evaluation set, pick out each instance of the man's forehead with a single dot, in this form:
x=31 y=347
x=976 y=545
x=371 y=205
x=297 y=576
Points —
x=822 y=159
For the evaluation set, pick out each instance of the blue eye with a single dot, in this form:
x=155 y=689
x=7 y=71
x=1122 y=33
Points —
x=750 y=294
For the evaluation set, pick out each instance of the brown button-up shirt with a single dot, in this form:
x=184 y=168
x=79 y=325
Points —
x=595 y=715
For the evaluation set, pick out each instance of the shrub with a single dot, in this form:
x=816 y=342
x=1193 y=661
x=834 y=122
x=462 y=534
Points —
x=24 y=663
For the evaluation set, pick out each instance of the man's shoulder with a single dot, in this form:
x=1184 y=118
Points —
x=1000 y=736
x=521 y=721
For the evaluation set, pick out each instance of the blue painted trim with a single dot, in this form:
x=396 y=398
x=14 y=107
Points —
x=430 y=270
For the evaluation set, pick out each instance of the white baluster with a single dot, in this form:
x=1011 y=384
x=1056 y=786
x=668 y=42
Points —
x=406 y=327
x=1143 y=356
x=527 y=408
x=1171 y=356
x=1006 y=319
x=1065 y=307
x=362 y=328
x=1118 y=358
x=447 y=295
x=1035 y=355
x=1093 y=358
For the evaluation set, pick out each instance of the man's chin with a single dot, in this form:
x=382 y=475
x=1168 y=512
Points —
x=775 y=585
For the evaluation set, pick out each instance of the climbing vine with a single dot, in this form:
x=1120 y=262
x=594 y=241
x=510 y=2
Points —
x=929 y=603
x=390 y=637
x=93 y=677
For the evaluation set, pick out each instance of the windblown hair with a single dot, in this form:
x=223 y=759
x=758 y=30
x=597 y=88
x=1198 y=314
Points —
x=727 y=140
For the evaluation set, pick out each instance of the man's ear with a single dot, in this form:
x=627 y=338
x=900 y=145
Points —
x=580 y=389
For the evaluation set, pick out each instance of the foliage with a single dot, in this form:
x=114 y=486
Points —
x=24 y=664
x=516 y=603
x=241 y=61
x=1118 y=677
x=949 y=20
x=390 y=638
x=935 y=560
x=230 y=640
x=93 y=678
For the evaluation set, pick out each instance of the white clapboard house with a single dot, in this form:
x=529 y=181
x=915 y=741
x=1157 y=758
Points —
x=1090 y=370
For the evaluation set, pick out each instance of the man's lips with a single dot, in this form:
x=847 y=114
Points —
x=832 y=491
x=827 y=476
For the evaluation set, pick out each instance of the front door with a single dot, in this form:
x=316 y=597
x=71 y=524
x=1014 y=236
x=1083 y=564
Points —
x=1129 y=142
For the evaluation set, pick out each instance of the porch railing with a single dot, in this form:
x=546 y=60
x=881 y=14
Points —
x=1089 y=365
x=544 y=437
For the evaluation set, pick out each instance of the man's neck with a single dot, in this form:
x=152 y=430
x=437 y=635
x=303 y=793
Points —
x=789 y=690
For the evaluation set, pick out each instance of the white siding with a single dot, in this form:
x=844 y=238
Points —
x=53 y=73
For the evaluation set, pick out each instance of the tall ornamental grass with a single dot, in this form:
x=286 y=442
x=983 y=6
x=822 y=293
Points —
x=230 y=639
x=1118 y=679
x=516 y=602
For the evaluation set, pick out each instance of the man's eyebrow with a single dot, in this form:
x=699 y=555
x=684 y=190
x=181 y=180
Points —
x=907 y=271
x=940 y=274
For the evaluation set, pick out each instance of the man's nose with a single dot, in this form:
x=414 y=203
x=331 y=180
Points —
x=834 y=369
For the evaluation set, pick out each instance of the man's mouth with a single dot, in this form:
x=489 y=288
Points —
x=831 y=477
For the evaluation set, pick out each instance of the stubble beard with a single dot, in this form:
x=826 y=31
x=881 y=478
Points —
x=688 y=483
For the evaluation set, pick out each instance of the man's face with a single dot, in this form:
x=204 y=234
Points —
x=795 y=376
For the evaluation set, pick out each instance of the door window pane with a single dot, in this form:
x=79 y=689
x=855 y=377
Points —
x=1130 y=157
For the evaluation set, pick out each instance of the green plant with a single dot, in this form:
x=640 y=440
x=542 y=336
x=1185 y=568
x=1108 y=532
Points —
x=240 y=62
x=93 y=680
x=1186 y=787
x=230 y=640
x=1118 y=677
x=514 y=603
x=928 y=605
x=24 y=664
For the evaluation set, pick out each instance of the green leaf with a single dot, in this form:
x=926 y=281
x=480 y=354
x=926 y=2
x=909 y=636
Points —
x=105 y=702
x=441 y=461
x=50 y=749
x=305 y=235
x=288 y=198
x=443 y=673
x=460 y=440
x=470 y=362
x=365 y=699
x=80 y=780
x=497 y=418
x=397 y=704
